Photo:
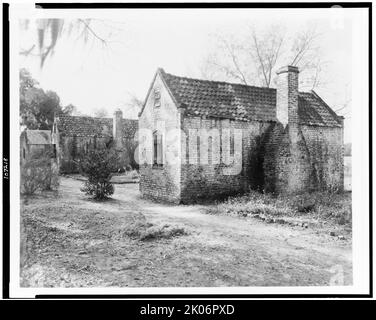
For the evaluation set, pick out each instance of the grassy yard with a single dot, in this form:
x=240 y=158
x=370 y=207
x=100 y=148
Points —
x=68 y=240
x=322 y=210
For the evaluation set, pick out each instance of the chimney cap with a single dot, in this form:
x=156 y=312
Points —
x=118 y=111
x=288 y=69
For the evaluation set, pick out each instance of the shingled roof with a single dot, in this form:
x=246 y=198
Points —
x=222 y=99
x=91 y=126
x=313 y=110
x=242 y=102
x=38 y=136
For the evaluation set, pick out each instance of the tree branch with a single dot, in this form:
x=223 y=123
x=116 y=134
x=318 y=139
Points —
x=235 y=62
x=92 y=31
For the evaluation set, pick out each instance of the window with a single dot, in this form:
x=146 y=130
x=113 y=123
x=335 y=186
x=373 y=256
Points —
x=187 y=148
x=54 y=151
x=232 y=143
x=23 y=153
x=157 y=149
x=157 y=98
x=198 y=149
x=210 y=150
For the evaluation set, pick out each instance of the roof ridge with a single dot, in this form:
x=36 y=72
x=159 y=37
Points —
x=68 y=115
x=101 y=118
x=216 y=81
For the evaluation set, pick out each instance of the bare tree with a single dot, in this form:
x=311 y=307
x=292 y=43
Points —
x=254 y=58
x=132 y=106
x=265 y=50
x=306 y=54
x=344 y=106
x=229 y=62
x=303 y=44
x=101 y=113
x=249 y=60
x=235 y=69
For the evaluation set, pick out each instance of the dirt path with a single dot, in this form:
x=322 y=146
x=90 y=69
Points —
x=219 y=250
x=261 y=253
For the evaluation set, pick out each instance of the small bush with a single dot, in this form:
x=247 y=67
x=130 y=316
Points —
x=98 y=166
x=304 y=204
x=164 y=232
x=52 y=180
x=146 y=231
x=135 y=230
x=39 y=174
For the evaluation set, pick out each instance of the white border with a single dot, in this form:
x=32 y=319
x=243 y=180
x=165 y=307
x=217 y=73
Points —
x=360 y=171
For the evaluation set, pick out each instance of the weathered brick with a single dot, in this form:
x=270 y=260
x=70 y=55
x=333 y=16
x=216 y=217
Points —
x=299 y=152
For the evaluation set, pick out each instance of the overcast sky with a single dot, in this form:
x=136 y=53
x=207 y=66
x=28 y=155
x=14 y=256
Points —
x=92 y=77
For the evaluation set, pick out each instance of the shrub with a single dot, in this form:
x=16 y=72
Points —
x=31 y=177
x=39 y=174
x=317 y=205
x=164 y=232
x=98 y=166
x=146 y=231
x=304 y=203
x=51 y=181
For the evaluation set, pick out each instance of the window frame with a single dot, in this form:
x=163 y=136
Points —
x=157 y=97
x=157 y=150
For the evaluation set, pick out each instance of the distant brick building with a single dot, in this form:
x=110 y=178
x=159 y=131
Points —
x=75 y=135
x=191 y=132
x=36 y=144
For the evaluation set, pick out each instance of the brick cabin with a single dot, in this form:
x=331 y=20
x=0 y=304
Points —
x=289 y=141
x=75 y=135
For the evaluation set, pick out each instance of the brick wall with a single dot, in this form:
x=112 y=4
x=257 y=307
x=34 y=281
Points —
x=300 y=158
x=303 y=158
x=216 y=179
x=325 y=146
x=160 y=182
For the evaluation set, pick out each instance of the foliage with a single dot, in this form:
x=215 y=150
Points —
x=50 y=31
x=132 y=106
x=39 y=173
x=164 y=232
x=146 y=231
x=250 y=204
x=38 y=107
x=321 y=205
x=51 y=181
x=98 y=166
x=101 y=113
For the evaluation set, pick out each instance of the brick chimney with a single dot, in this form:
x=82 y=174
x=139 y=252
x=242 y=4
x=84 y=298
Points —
x=118 y=129
x=287 y=95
